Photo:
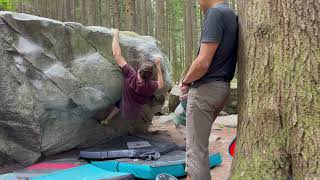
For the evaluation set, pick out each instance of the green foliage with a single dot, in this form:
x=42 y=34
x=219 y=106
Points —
x=7 y=5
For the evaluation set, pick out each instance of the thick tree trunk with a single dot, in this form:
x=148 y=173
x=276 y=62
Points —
x=188 y=36
x=68 y=10
x=194 y=29
x=83 y=16
x=92 y=17
x=144 y=18
x=60 y=9
x=137 y=18
x=160 y=23
x=117 y=14
x=279 y=105
x=130 y=13
x=106 y=15
x=151 y=20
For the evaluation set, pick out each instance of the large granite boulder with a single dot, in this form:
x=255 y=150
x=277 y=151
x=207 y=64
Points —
x=55 y=78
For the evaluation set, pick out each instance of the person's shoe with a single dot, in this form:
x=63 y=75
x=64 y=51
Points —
x=165 y=177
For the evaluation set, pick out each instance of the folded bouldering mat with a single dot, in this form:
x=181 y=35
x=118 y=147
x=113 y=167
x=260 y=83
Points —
x=9 y=176
x=172 y=163
x=43 y=168
x=129 y=147
x=87 y=172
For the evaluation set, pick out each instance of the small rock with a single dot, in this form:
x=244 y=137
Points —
x=223 y=113
x=165 y=119
x=227 y=121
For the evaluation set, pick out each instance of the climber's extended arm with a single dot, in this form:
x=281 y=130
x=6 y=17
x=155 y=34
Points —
x=116 y=50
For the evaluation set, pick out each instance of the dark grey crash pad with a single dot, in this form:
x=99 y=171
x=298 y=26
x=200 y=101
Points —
x=118 y=148
x=54 y=78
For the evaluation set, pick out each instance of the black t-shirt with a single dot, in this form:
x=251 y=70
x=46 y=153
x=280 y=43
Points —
x=220 y=26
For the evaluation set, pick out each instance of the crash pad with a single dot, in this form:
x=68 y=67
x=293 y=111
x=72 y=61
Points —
x=10 y=176
x=120 y=148
x=87 y=172
x=172 y=163
x=46 y=167
x=232 y=147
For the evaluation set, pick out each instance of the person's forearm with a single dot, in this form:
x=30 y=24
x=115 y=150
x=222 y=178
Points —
x=116 y=50
x=197 y=70
x=160 y=77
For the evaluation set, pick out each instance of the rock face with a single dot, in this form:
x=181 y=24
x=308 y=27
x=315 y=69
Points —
x=231 y=106
x=174 y=96
x=55 y=78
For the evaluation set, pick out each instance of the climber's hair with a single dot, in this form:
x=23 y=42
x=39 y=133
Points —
x=146 y=70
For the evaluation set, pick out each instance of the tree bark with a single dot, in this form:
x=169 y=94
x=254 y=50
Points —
x=117 y=14
x=279 y=115
x=160 y=23
x=151 y=20
x=130 y=13
x=68 y=10
x=60 y=9
x=194 y=29
x=188 y=36
x=144 y=17
x=92 y=18
x=106 y=16
x=137 y=18
x=84 y=19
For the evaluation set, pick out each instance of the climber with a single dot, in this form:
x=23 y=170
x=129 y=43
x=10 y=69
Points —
x=138 y=88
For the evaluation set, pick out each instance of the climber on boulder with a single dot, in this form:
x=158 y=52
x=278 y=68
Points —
x=138 y=88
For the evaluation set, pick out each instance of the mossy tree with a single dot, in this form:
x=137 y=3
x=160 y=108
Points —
x=279 y=90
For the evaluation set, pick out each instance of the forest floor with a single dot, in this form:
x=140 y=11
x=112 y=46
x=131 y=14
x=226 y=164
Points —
x=223 y=131
x=220 y=138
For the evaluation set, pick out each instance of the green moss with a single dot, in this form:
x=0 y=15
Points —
x=267 y=162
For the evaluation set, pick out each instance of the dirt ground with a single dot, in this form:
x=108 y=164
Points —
x=224 y=134
x=167 y=131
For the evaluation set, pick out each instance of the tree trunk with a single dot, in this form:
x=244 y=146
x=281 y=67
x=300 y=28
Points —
x=151 y=13
x=279 y=114
x=194 y=29
x=92 y=18
x=83 y=16
x=188 y=36
x=117 y=14
x=137 y=18
x=20 y=6
x=130 y=13
x=106 y=16
x=44 y=6
x=159 y=22
x=60 y=9
x=68 y=10
x=144 y=17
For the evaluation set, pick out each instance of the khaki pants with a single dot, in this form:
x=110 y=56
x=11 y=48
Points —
x=204 y=104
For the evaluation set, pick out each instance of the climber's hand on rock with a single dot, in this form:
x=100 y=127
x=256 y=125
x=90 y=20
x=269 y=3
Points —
x=157 y=62
x=115 y=32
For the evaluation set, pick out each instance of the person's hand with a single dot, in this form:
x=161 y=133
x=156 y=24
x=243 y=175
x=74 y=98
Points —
x=184 y=89
x=115 y=32
x=157 y=62
x=183 y=97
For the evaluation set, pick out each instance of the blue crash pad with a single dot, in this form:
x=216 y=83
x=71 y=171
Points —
x=87 y=172
x=172 y=163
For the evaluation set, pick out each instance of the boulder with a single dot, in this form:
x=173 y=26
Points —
x=173 y=100
x=232 y=103
x=55 y=77
x=230 y=121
